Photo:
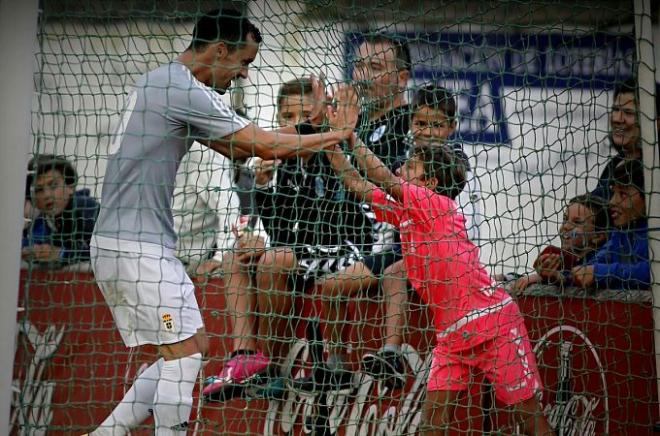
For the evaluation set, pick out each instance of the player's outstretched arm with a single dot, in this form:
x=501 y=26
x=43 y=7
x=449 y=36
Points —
x=353 y=181
x=255 y=141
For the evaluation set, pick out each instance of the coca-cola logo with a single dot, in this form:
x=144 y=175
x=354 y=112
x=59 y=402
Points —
x=32 y=393
x=357 y=411
x=575 y=398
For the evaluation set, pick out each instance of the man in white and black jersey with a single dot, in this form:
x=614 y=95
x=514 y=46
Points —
x=146 y=287
x=381 y=69
x=314 y=228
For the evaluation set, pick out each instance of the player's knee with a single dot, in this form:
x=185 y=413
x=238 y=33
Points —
x=345 y=283
x=198 y=343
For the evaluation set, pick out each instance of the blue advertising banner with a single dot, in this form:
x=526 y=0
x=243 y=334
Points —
x=482 y=68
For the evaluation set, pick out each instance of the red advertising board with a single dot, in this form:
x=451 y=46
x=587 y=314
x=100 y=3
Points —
x=596 y=358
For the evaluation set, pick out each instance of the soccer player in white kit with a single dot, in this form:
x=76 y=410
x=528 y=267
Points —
x=151 y=298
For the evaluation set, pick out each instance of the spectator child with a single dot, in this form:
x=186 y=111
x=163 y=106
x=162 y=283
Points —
x=314 y=228
x=60 y=233
x=582 y=233
x=433 y=123
x=623 y=262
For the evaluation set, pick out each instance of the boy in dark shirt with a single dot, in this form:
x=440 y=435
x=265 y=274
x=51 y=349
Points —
x=60 y=233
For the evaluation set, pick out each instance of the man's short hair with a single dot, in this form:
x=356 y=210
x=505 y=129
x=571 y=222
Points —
x=294 y=87
x=436 y=97
x=627 y=87
x=598 y=207
x=446 y=166
x=629 y=172
x=401 y=49
x=44 y=163
x=223 y=25
x=630 y=87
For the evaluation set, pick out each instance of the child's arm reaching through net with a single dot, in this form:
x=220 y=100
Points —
x=376 y=170
x=353 y=181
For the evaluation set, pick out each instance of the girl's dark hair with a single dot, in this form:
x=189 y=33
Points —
x=597 y=206
x=446 y=166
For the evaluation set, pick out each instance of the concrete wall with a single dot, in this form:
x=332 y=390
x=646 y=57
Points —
x=557 y=136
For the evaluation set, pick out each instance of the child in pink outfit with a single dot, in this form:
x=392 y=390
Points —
x=468 y=309
x=478 y=325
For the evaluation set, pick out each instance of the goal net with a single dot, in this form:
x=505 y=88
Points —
x=539 y=103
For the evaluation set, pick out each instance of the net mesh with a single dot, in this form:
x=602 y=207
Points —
x=536 y=124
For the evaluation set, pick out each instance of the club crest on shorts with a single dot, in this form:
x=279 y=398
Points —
x=168 y=321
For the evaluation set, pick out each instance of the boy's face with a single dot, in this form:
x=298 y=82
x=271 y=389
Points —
x=51 y=193
x=577 y=232
x=626 y=205
x=294 y=109
x=430 y=125
x=623 y=122
x=412 y=171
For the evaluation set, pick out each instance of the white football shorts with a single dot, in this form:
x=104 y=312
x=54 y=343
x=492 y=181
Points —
x=151 y=298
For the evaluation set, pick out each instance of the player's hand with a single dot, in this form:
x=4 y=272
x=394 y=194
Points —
x=249 y=246
x=264 y=169
x=318 y=112
x=583 y=276
x=524 y=282
x=42 y=253
x=344 y=114
x=208 y=267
